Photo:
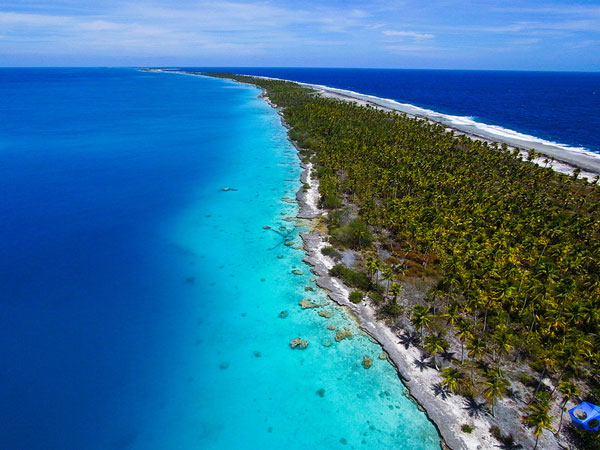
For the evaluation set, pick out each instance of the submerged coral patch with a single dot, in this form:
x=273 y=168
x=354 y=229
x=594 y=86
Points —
x=343 y=334
x=305 y=304
x=298 y=343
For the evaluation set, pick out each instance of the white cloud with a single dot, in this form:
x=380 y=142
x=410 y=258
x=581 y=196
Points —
x=411 y=34
x=201 y=28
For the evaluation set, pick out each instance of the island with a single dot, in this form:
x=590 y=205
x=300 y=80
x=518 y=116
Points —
x=475 y=264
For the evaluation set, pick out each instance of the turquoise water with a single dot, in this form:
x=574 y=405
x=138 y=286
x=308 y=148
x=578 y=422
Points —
x=142 y=300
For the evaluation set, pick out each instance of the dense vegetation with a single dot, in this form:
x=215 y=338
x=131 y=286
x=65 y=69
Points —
x=515 y=245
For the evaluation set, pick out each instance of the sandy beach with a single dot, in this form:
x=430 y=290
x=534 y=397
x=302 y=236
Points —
x=566 y=159
x=578 y=157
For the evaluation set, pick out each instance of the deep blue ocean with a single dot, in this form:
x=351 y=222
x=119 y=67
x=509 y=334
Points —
x=140 y=302
x=561 y=107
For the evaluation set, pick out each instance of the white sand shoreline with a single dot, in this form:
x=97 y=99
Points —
x=567 y=158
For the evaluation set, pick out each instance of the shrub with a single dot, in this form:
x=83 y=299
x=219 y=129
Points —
x=356 y=296
x=331 y=252
x=376 y=298
x=355 y=234
x=331 y=201
x=351 y=277
x=338 y=218
x=584 y=439
x=466 y=428
x=526 y=379
x=392 y=309
x=507 y=441
x=466 y=389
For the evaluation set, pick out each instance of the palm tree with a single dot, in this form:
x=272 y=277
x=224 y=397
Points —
x=435 y=345
x=387 y=275
x=538 y=418
x=567 y=389
x=502 y=342
x=515 y=243
x=420 y=317
x=451 y=377
x=495 y=387
x=395 y=291
x=373 y=265
x=548 y=363
x=451 y=315
x=476 y=347
x=464 y=334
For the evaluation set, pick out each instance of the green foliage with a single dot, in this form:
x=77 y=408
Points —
x=376 y=297
x=466 y=428
x=339 y=218
x=495 y=387
x=452 y=378
x=330 y=200
x=527 y=379
x=355 y=234
x=584 y=440
x=351 y=277
x=392 y=309
x=421 y=317
x=331 y=252
x=538 y=418
x=356 y=296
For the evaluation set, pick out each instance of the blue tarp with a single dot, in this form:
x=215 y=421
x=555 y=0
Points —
x=591 y=412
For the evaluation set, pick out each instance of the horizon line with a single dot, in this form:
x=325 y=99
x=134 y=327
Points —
x=296 y=67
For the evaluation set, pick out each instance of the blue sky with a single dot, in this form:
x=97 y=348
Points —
x=445 y=34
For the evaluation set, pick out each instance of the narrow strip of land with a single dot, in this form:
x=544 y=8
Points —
x=477 y=270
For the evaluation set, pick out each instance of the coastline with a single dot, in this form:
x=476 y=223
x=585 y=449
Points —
x=446 y=415
x=443 y=418
x=570 y=156
x=449 y=414
x=417 y=385
x=566 y=159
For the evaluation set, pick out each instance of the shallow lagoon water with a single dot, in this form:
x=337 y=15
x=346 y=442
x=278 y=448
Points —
x=141 y=300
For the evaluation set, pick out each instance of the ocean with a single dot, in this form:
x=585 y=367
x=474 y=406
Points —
x=141 y=303
x=540 y=107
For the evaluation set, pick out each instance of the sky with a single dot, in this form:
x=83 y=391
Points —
x=423 y=34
